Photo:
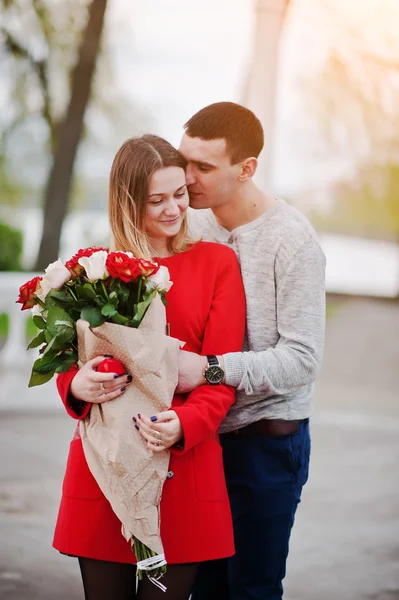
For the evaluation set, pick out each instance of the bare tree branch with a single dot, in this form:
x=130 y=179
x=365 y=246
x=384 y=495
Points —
x=40 y=68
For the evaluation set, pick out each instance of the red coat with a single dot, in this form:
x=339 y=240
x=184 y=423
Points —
x=206 y=309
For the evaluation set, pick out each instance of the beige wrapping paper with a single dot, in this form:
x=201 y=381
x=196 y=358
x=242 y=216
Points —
x=130 y=476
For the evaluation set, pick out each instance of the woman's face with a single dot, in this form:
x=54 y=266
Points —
x=166 y=203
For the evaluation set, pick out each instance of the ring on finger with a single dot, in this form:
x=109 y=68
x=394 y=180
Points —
x=159 y=442
x=102 y=388
x=158 y=434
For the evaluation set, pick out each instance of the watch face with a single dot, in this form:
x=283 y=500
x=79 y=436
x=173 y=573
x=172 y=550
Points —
x=214 y=374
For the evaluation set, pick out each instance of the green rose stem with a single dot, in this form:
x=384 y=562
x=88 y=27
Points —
x=142 y=552
x=139 y=290
x=104 y=290
x=72 y=293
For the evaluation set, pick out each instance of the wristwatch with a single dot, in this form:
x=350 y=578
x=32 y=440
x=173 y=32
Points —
x=213 y=373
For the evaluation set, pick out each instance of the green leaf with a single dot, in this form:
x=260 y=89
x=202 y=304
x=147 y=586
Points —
x=60 y=324
x=60 y=295
x=113 y=298
x=141 y=309
x=39 y=322
x=43 y=365
x=38 y=340
x=69 y=358
x=93 y=316
x=39 y=378
x=108 y=310
x=89 y=292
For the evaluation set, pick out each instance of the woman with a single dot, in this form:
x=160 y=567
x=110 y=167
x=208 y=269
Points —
x=148 y=201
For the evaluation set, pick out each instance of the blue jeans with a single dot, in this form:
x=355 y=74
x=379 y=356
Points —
x=265 y=476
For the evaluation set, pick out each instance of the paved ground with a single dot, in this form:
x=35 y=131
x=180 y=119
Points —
x=345 y=543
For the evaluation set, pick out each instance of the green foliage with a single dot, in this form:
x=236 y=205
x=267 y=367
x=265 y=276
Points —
x=369 y=207
x=11 y=241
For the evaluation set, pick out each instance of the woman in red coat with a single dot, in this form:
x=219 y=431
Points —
x=206 y=309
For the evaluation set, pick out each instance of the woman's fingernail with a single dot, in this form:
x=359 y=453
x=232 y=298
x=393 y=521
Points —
x=108 y=355
x=123 y=389
x=134 y=419
x=116 y=376
x=154 y=419
x=139 y=415
x=137 y=427
x=129 y=378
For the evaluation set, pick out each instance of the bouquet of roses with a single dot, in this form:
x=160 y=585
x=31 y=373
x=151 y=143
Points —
x=102 y=302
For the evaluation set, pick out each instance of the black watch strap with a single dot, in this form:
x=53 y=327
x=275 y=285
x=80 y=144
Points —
x=212 y=360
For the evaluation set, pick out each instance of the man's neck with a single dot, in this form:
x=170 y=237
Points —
x=243 y=209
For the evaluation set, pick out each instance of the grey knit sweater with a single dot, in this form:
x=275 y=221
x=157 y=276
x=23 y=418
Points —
x=283 y=269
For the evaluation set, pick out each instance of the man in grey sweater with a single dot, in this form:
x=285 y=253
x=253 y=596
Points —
x=265 y=436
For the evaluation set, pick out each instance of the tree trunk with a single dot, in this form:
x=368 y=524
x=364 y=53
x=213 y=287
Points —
x=70 y=130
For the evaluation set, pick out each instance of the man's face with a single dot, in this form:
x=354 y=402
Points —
x=211 y=178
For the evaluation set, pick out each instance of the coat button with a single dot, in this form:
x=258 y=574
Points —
x=170 y=474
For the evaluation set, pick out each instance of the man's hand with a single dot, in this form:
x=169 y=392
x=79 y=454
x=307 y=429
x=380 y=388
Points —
x=191 y=371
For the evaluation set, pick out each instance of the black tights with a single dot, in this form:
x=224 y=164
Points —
x=103 y=580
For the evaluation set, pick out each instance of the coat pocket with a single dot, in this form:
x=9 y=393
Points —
x=78 y=480
x=210 y=483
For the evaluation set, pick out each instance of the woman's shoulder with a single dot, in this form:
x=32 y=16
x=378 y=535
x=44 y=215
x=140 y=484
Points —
x=214 y=251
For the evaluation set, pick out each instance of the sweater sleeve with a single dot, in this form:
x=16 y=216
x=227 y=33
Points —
x=77 y=409
x=296 y=359
x=207 y=405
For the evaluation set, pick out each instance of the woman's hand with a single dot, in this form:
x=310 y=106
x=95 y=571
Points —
x=161 y=431
x=90 y=386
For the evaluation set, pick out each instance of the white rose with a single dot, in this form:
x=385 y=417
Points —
x=161 y=279
x=36 y=310
x=45 y=287
x=55 y=276
x=94 y=265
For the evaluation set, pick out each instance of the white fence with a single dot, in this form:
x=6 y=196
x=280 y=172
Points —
x=357 y=267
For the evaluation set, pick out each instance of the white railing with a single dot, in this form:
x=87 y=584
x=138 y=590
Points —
x=15 y=361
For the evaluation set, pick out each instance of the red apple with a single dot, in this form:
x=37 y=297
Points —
x=111 y=365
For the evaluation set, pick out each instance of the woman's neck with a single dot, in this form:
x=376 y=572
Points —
x=161 y=248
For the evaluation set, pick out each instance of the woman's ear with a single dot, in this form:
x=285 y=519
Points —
x=248 y=169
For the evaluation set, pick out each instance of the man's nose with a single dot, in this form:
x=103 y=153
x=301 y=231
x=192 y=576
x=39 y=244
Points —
x=190 y=178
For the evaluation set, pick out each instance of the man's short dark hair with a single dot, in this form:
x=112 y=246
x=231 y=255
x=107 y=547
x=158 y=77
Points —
x=237 y=125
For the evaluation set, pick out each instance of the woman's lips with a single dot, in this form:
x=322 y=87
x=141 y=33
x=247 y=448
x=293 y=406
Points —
x=171 y=221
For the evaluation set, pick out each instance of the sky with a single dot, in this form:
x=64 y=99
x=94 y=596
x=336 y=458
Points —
x=171 y=58
x=175 y=57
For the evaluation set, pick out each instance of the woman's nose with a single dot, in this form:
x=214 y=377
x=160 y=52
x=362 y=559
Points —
x=172 y=207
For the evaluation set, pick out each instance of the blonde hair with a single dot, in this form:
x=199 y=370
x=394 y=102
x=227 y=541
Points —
x=135 y=162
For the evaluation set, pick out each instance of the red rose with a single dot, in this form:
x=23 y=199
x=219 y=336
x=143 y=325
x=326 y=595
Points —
x=27 y=293
x=75 y=268
x=147 y=267
x=121 y=266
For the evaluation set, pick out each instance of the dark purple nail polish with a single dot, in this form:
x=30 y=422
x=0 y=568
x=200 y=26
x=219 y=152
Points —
x=123 y=389
x=137 y=427
x=154 y=419
x=129 y=378
x=116 y=376
x=134 y=419
x=139 y=415
x=108 y=355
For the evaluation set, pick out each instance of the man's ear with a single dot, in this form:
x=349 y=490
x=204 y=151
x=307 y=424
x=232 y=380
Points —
x=248 y=169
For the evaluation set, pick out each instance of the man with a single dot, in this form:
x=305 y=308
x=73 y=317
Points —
x=265 y=436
